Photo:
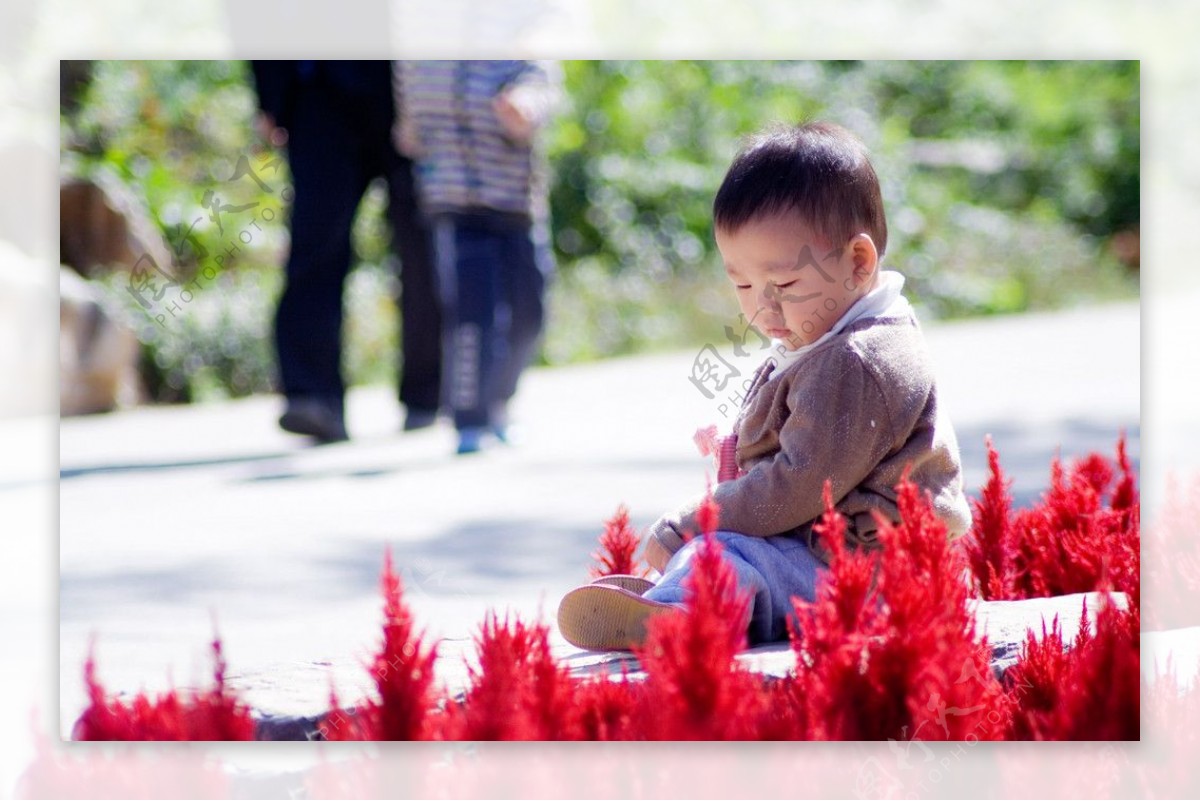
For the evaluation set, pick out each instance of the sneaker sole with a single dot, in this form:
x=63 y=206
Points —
x=602 y=617
x=635 y=584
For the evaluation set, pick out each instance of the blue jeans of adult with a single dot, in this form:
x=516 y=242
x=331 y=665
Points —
x=774 y=570
x=493 y=270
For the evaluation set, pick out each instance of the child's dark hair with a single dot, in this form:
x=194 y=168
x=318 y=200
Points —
x=818 y=169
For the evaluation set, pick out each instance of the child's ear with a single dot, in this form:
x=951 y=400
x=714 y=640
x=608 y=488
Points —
x=864 y=256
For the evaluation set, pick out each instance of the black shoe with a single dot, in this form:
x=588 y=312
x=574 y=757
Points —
x=314 y=418
x=417 y=418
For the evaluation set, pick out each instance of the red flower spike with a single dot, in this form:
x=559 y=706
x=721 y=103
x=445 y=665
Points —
x=618 y=544
x=701 y=691
x=208 y=715
x=609 y=709
x=989 y=540
x=1090 y=691
x=518 y=692
x=831 y=696
x=898 y=659
x=1069 y=542
x=887 y=650
x=937 y=663
x=1125 y=496
x=708 y=516
x=402 y=671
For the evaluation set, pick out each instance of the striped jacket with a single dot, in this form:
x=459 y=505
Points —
x=466 y=160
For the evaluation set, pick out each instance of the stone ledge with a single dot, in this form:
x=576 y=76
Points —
x=1004 y=623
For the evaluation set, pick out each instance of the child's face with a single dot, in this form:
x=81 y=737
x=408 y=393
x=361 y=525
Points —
x=791 y=284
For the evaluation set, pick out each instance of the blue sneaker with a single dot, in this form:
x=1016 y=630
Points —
x=470 y=440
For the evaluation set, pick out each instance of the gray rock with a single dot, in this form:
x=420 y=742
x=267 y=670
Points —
x=98 y=354
x=103 y=224
x=281 y=728
x=1006 y=623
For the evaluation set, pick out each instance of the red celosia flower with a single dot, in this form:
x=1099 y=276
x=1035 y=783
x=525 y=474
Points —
x=987 y=542
x=208 y=715
x=948 y=686
x=1089 y=692
x=1125 y=495
x=708 y=516
x=403 y=674
x=1036 y=680
x=699 y=690
x=833 y=640
x=618 y=544
x=902 y=664
x=887 y=651
x=610 y=709
x=1069 y=542
x=518 y=692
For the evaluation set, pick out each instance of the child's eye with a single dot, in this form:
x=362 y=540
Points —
x=785 y=286
x=742 y=286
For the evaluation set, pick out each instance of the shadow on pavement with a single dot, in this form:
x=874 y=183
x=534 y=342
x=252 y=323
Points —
x=150 y=467
x=484 y=559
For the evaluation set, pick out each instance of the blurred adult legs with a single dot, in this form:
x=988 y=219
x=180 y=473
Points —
x=525 y=283
x=420 y=315
x=325 y=153
x=493 y=291
x=339 y=141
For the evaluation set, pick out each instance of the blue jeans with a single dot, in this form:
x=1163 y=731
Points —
x=772 y=569
x=492 y=272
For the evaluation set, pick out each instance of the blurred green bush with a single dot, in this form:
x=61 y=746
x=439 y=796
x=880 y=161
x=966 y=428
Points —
x=1005 y=183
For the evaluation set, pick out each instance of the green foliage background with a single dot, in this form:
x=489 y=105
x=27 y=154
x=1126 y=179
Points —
x=1004 y=181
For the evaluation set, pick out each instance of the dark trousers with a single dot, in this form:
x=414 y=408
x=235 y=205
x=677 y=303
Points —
x=492 y=272
x=338 y=142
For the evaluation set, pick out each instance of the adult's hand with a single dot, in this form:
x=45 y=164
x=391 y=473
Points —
x=408 y=140
x=516 y=115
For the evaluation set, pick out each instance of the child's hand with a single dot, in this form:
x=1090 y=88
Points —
x=662 y=541
x=706 y=440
